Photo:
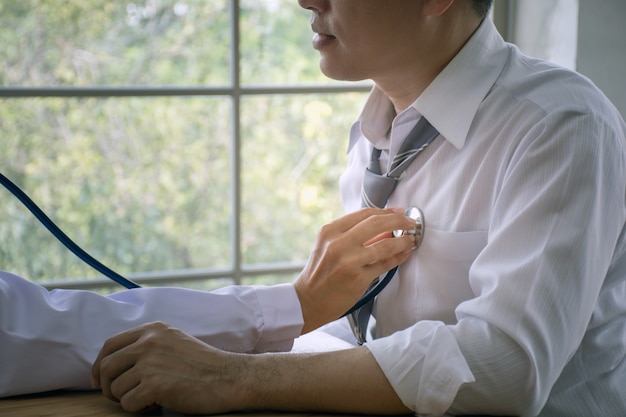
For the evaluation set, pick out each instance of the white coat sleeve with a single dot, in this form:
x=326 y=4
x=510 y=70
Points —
x=49 y=339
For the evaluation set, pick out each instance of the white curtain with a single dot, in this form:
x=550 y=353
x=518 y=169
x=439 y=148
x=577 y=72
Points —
x=547 y=29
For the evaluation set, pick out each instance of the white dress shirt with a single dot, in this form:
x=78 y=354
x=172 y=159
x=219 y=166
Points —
x=515 y=304
x=49 y=339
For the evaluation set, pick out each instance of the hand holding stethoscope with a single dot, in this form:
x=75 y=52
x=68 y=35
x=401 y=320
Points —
x=378 y=285
x=349 y=255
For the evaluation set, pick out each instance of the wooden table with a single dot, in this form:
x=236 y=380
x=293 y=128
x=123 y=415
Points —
x=93 y=404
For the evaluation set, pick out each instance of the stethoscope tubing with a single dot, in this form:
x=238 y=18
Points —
x=372 y=292
x=62 y=237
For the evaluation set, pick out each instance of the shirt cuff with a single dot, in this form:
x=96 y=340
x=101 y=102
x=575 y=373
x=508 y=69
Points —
x=282 y=317
x=424 y=365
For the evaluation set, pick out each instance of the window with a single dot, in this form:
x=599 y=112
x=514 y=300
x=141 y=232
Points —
x=190 y=143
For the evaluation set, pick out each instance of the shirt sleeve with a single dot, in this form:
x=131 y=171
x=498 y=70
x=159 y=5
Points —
x=49 y=339
x=552 y=235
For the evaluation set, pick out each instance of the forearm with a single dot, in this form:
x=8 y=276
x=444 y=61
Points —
x=346 y=381
x=158 y=364
x=46 y=343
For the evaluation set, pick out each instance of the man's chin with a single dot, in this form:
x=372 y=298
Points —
x=340 y=74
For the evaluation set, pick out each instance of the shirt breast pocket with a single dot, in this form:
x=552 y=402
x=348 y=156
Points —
x=444 y=260
x=437 y=276
x=434 y=281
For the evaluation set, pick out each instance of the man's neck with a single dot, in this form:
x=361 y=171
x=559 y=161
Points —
x=404 y=85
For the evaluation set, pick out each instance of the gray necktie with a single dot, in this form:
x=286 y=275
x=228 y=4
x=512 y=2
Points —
x=375 y=192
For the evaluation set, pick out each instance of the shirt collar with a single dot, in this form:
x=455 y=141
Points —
x=451 y=101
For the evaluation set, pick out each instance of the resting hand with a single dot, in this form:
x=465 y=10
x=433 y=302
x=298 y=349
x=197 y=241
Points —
x=349 y=254
x=155 y=364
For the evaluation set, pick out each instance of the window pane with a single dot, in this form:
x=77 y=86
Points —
x=142 y=184
x=271 y=279
x=109 y=42
x=293 y=152
x=202 y=285
x=276 y=44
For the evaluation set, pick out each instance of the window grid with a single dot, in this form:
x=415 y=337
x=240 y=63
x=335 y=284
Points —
x=237 y=271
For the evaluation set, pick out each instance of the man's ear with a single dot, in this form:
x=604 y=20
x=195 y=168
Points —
x=436 y=8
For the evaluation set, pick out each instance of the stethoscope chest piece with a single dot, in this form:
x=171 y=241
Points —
x=416 y=214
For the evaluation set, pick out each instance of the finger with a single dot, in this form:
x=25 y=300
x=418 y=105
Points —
x=112 y=367
x=383 y=224
x=378 y=238
x=348 y=221
x=138 y=399
x=123 y=383
x=111 y=345
x=386 y=248
x=376 y=269
x=386 y=235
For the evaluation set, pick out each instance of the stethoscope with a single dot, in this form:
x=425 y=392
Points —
x=378 y=285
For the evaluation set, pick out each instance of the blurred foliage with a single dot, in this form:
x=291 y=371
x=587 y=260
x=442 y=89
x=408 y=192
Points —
x=109 y=42
x=144 y=183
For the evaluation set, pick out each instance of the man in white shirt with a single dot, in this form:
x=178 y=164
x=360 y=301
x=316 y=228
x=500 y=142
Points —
x=514 y=304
